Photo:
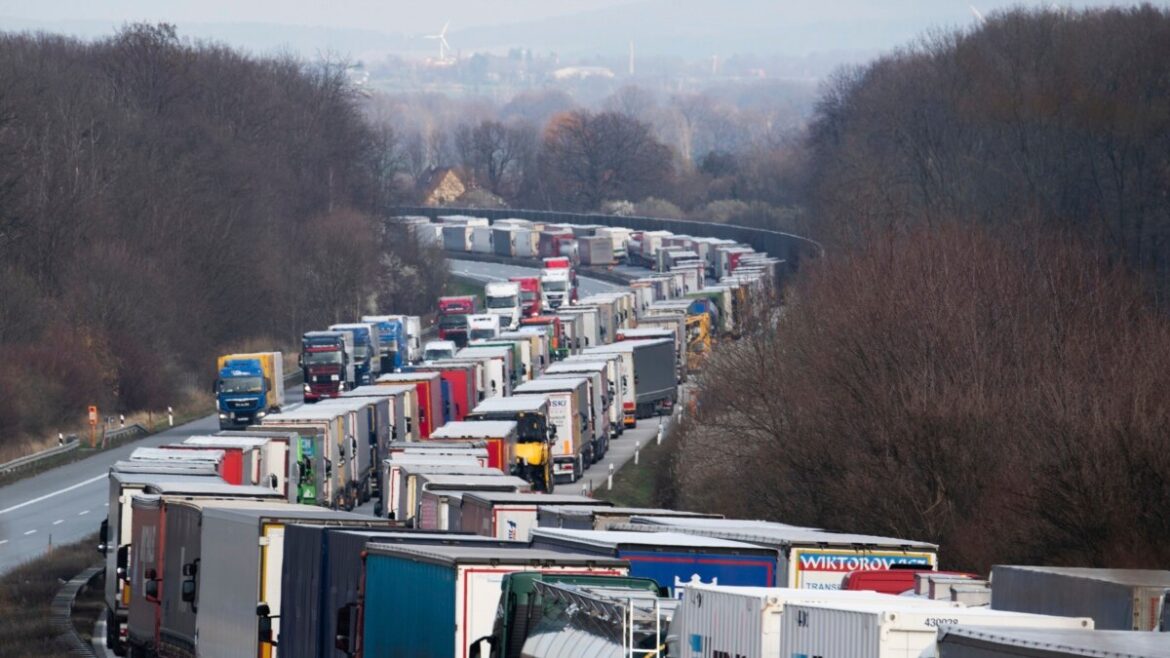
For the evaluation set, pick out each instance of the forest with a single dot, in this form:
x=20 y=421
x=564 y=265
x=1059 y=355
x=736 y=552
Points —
x=982 y=359
x=162 y=202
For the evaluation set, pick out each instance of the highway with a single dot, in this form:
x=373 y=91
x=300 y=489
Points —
x=67 y=503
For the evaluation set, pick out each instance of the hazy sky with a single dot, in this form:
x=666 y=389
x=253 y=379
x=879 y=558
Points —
x=408 y=16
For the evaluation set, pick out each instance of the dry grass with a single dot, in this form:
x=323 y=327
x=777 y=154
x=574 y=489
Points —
x=25 y=596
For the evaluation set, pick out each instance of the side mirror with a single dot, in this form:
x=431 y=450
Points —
x=264 y=627
x=150 y=574
x=215 y=387
x=103 y=537
x=552 y=431
x=188 y=591
x=346 y=618
x=122 y=559
x=301 y=360
x=151 y=589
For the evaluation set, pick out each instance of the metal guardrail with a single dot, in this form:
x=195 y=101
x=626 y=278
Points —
x=61 y=614
x=28 y=460
x=132 y=429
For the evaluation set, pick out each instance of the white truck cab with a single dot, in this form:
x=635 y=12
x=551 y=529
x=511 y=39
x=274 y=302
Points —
x=438 y=349
x=555 y=286
x=502 y=298
x=483 y=326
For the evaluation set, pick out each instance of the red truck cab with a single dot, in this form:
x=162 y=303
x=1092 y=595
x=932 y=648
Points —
x=453 y=323
x=892 y=581
x=529 y=294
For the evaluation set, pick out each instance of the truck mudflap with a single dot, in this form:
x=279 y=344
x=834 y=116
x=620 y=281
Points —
x=565 y=470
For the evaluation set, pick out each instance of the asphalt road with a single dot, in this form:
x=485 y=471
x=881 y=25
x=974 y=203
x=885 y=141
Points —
x=69 y=502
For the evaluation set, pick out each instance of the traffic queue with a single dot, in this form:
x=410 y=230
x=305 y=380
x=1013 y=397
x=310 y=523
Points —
x=455 y=445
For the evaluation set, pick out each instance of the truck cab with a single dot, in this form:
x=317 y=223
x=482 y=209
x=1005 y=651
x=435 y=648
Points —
x=366 y=351
x=453 y=312
x=483 y=326
x=502 y=298
x=248 y=387
x=534 y=435
x=327 y=363
x=555 y=288
x=436 y=350
x=566 y=263
x=392 y=341
x=530 y=300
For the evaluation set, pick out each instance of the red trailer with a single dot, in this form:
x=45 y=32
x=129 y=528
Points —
x=460 y=377
x=430 y=398
x=237 y=461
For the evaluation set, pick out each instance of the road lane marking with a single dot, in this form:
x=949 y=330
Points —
x=55 y=493
x=83 y=512
x=58 y=521
x=3 y=541
x=29 y=533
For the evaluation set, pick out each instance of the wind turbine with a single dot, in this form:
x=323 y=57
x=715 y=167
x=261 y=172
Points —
x=442 y=39
x=978 y=15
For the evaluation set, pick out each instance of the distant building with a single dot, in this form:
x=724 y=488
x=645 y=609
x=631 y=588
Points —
x=442 y=185
x=582 y=72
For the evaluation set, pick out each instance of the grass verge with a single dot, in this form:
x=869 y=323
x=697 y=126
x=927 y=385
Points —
x=27 y=592
x=636 y=485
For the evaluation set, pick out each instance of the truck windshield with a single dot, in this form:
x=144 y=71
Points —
x=332 y=357
x=527 y=296
x=435 y=355
x=501 y=302
x=559 y=286
x=477 y=334
x=531 y=427
x=241 y=385
x=360 y=352
x=453 y=322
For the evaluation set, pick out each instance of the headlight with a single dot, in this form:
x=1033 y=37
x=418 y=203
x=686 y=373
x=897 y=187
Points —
x=308 y=388
x=335 y=378
x=223 y=416
x=261 y=414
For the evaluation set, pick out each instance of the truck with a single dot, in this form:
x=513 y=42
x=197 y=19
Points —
x=392 y=343
x=317 y=473
x=976 y=642
x=672 y=559
x=555 y=287
x=439 y=349
x=568 y=404
x=429 y=399
x=460 y=378
x=453 y=312
x=434 y=600
x=499 y=436
x=510 y=516
x=600 y=396
x=248 y=387
x=324 y=570
x=589 y=331
x=502 y=298
x=531 y=302
x=367 y=350
x=535 y=434
x=222 y=576
x=596 y=250
x=808 y=557
x=115 y=532
x=615 y=385
x=1116 y=599
x=551 y=326
x=892 y=630
x=403 y=486
x=482 y=326
x=260 y=461
x=520 y=598
x=327 y=363
x=500 y=367
x=650 y=369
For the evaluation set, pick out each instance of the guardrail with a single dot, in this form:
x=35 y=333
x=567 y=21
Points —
x=791 y=248
x=29 y=460
x=61 y=613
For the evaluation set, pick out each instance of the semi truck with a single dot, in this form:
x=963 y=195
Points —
x=510 y=516
x=434 y=600
x=502 y=298
x=1116 y=599
x=531 y=302
x=453 y=312
x=568 y=404
x=248 y=387
x=534 y=435
x=650 y=370
x=367 y=350
x=555 y=287
x=672 y=559
x=392 y=343
x=327 y=363
x=481 y=326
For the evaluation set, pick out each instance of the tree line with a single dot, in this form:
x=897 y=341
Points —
x=982 y=360
x=162 y=201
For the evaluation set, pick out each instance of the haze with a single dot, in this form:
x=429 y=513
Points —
x=581 y=28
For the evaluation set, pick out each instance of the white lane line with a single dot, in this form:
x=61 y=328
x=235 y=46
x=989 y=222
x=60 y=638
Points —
x=83 y=512
x=55 y=493
x=3 y=541
x=58 y=521
x=29 y=533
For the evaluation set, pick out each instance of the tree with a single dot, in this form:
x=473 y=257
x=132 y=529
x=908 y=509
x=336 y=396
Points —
x=493 y=153
x=592 y=158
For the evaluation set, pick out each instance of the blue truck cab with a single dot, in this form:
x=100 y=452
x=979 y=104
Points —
x=392 y=341
x=248 y=387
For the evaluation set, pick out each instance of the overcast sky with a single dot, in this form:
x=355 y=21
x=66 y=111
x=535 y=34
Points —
x=408 y=16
